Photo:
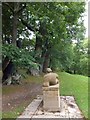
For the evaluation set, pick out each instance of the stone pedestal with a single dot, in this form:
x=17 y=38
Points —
x=51 y=98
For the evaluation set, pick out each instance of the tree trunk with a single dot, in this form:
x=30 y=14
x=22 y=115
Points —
x=46 y=61
x=39 y=39
x=14 y=34
x=8 y=70
x=38 y=45
x=5 y=63
x=38 y=49
x=15 y=22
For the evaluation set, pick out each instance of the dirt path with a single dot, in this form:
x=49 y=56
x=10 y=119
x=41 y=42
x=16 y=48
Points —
x=22 y=94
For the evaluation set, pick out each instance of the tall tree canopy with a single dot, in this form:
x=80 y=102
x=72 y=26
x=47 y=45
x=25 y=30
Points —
x=53 y=27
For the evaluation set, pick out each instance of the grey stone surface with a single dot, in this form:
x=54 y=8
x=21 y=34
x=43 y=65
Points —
x=31 y=109
x=69 y=110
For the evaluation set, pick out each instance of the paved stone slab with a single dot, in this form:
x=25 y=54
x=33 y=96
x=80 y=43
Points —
x=73 y=109
x=69 y=110
x=31 y=109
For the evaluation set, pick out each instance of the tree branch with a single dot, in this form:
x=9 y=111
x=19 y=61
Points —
x=7 y=4
x=23 y=7
x=29 y=26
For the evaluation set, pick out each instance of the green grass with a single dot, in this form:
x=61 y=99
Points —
x=14 y=113
x=14 y=88
x=76 y=85
x=0 y=115
x=34 y=79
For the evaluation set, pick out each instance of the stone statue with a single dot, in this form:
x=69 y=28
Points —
x=50 y=78
x=51 y=94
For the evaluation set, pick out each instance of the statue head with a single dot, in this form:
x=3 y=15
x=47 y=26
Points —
x=48 y=70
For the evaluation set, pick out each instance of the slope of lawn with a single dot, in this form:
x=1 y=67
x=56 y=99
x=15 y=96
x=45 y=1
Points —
x=76 y=85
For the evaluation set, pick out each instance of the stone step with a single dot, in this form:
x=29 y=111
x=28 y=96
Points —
x=31 y=109
x=69 y=110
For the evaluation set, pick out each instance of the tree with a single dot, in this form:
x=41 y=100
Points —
x=14 y=10
x=54 y=25
x=45 y=18
x=81 y=57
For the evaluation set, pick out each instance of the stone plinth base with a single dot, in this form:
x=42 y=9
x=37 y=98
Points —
x=68 y=109
x=51 y=98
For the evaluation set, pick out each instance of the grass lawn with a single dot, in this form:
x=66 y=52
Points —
x=76 y=85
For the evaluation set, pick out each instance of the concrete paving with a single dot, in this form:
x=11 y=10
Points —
x=69 y=109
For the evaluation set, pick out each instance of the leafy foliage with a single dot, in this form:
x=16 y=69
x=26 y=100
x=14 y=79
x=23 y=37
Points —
x=80 y=58
x=20 y=57
x=55 y=27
